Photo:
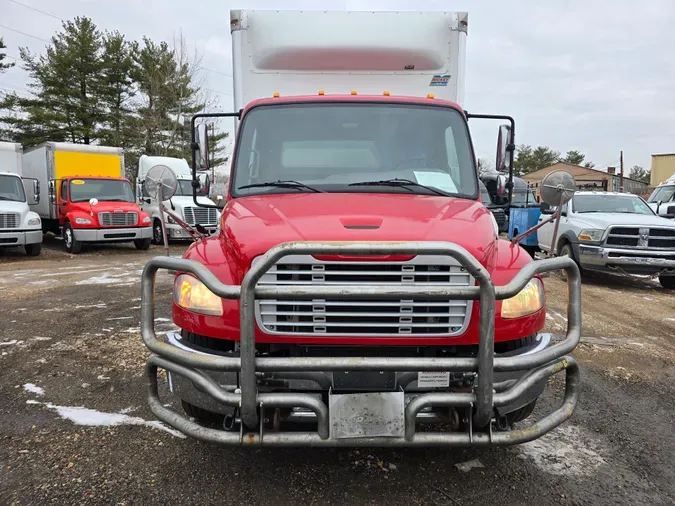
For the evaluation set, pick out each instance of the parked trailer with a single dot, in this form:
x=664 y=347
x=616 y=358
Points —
x=19 y=226
x=88 y=198
x=357 y=282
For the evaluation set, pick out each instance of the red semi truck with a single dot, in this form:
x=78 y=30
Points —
x=357 y=288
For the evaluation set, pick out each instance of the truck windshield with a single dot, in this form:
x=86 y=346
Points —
x=105 y=190
x=610 y=204
x=11 y=188
x=185 y=188
x=662 y=194
x=354 y=147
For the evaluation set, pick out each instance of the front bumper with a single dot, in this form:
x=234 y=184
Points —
x=112 y=234
x=20 y=238
x=489 y=395
x=323 y=381
x=637 y=261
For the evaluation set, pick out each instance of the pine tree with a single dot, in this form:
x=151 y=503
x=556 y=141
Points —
x=4 y=66
x=66 y=82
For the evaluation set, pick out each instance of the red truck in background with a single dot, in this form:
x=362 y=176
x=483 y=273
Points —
x=90 y=200
x=357 y=288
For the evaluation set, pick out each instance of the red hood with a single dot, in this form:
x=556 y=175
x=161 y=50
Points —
x=253 y=225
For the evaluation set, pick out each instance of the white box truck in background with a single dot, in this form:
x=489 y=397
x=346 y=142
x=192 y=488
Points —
x=181 y=203
x=19 y=226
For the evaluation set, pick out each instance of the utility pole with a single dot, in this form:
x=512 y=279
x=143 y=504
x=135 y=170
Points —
x=621 y=185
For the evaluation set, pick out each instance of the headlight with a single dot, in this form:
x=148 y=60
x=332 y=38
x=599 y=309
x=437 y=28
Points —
x=529 y=300
x=83 y=221
x=169 y=219
x=147 y=219
x=191 y=294
x=34 y=221
x=591 y=234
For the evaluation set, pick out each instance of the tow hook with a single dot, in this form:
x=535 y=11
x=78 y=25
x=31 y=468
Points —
x=502 y=423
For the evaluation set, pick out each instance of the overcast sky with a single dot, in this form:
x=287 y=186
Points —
x=597 y=76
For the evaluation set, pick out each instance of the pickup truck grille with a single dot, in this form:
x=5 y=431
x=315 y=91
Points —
x=9 y=220
x=641 y=237
x=201 y=216
x=117 y=219
x=365 y=317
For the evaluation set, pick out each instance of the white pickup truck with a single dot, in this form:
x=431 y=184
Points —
x=662 y=199
x=613 y=232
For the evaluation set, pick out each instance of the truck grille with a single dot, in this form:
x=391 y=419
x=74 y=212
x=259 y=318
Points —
x=117 y=219
x=9 y=220
x=201 y=216
x=641 y=237
x=365 y=317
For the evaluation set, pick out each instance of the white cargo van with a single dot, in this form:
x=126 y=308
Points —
x=19 y=226
x=182 y=203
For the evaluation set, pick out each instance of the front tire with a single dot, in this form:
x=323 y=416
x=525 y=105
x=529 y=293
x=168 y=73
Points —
x=33 y=250
x=157 y=235
x=667 y=282
x=203 y=416
x=142 y=244
x=72 y=245
x=567 y=251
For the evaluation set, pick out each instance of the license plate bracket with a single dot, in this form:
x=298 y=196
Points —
x=363 y=415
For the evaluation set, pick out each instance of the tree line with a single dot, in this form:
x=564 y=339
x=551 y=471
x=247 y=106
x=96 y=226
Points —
x=98 y=87
x=530 y=159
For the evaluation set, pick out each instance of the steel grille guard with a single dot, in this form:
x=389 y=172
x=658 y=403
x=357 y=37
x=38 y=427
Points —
x=539 y=365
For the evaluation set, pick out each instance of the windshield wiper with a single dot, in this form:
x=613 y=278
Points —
x=401 y=183
x=282 y=184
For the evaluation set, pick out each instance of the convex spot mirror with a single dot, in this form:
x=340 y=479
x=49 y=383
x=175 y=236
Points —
x=161 y=181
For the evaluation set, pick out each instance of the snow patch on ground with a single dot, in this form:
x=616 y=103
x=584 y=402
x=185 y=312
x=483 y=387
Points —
x=33 y=389
x=80 y=415
x=9 y=343
x=467 y=466
x=567 y=451
x=106 y=278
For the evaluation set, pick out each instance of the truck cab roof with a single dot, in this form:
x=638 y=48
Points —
x=351 y=98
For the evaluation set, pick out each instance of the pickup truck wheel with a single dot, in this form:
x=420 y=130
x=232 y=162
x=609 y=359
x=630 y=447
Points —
x=667 y=282
x=203 y=416
x=72 y=245
x=566 y=251
x=33 y=250
x=142 y=244
x=157 y=236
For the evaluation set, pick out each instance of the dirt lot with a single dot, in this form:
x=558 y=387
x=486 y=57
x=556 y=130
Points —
x=75 y=429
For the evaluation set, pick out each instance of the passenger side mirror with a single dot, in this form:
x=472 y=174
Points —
x=545 y=208
x=202 y=148
x=503 y=141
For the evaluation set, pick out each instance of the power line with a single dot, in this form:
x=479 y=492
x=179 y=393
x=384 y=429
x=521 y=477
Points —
x=216 y=72
x=36 y=10
x=24 y=33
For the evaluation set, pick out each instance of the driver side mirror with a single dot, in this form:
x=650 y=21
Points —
x=32 y=191
x=202 y=147
x=204 y=184
x=503 y=142
x=545 y=208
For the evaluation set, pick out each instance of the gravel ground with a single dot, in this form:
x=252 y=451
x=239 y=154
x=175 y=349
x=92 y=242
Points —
x=75 y=429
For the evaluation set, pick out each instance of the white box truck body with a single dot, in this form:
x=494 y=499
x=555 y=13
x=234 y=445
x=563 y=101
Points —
x=302 y=52
x=19 y=226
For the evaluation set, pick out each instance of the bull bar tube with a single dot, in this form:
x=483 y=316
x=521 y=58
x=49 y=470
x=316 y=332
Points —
x=484 y=399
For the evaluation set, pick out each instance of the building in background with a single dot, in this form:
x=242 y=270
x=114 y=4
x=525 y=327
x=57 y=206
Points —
x=589 y=179
x=663 y=166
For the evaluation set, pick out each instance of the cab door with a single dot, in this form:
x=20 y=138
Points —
x=62 y=199
x=545 y=233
